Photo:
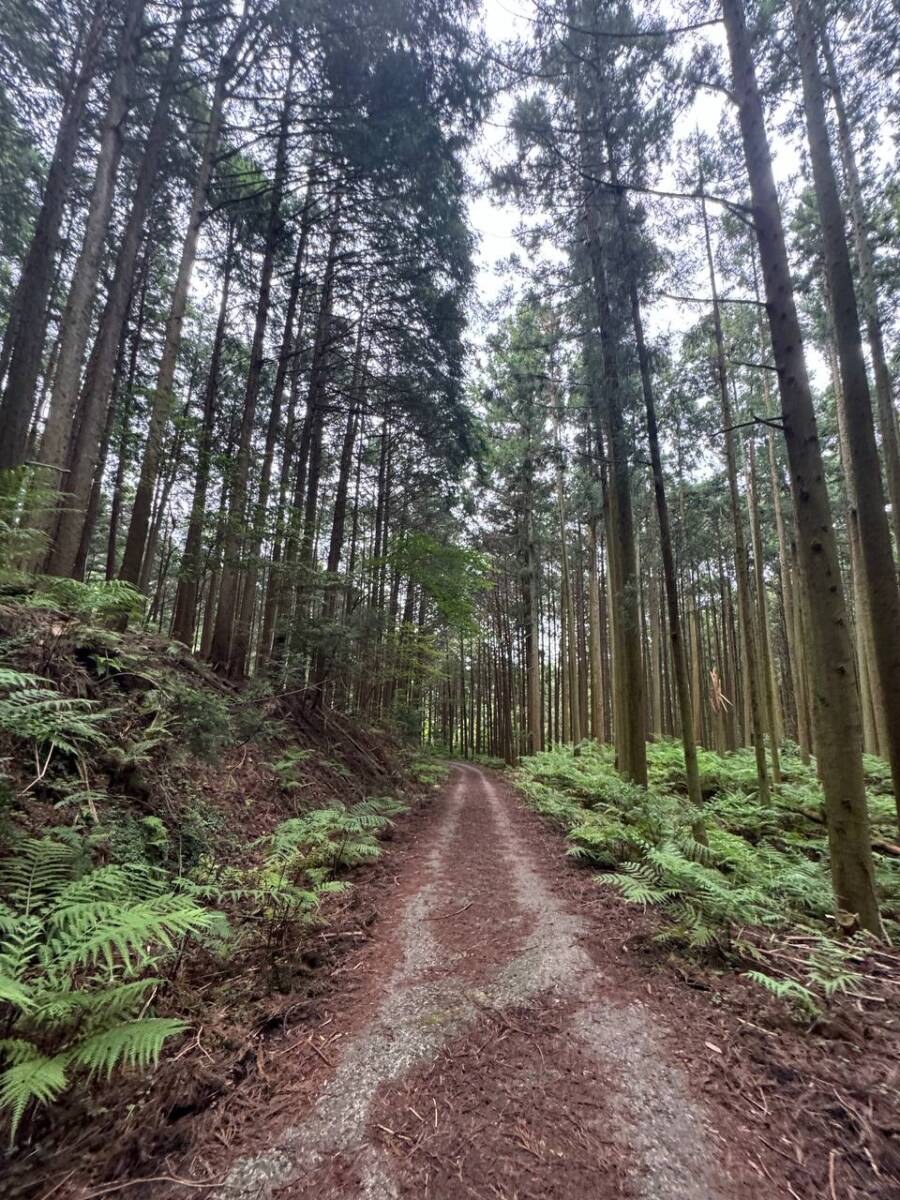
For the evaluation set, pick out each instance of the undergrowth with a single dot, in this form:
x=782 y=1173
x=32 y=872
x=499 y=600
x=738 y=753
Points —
x=765 y=868
x=117 y=875
x=80 y=951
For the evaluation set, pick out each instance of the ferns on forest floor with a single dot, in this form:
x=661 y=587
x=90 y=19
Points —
x=429 y=770
x=829 y=969
x=78 y=947
x=764 y=866
x=34 y=712
x=86 y=949
x=81 y=946
x=299 y=862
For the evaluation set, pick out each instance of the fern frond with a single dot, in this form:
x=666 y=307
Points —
x=637 y=886
x=98 y=895
x=16 y=1050
x=55 y=1008
x=12 y=991
x=788 y=989
x=36 y=872
x=20 y=947
x=11 y=681
x=130 y=1043
x=38 y=1079
x=128 y=933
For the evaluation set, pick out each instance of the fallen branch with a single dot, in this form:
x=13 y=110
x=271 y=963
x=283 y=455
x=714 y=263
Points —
x=324 y=1057
x=118 y=1187
x=447 y=916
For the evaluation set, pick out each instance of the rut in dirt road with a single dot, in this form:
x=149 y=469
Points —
x=493 y=1065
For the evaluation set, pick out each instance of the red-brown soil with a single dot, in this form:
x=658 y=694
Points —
x=490 y=1024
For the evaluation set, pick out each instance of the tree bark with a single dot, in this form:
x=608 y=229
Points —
x=35 y=282
x=879 y=575
x=745 y=605
x=868 y=290
x=837 y=714
x=234 y=623
x=185 y=617
x=76 y=319
x=679 y=657
x=84 y=445
x=163 y=394
x=767 y=666
x=628 y=668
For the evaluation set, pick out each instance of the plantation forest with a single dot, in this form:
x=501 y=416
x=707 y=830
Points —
x=449 y=599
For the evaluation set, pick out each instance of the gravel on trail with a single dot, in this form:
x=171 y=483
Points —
x=497 y=1058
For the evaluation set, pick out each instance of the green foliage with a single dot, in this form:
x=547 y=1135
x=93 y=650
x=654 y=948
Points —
x=451 y=575
x=800 y=998
x=79 y=946
x=33 y=711
x=290 y=768
x=764 y=866
x=99 y=600
x=196 y=719
x=828 y=969
x=428 y=770
x=18 y=541
x=298 y=862
x=326 y=840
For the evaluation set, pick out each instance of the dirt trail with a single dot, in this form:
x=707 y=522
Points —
x=494 y=1058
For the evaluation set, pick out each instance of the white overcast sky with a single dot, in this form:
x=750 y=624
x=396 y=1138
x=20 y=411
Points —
x=495 y=223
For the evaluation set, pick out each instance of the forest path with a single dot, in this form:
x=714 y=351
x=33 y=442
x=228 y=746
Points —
x=492 y=1057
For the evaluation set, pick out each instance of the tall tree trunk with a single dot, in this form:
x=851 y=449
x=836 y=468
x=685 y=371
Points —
x=745 y=604
x=339 y=514
x=628 y=667
x=837 y=715
x=163 y=393
x=76 y=318
x=879 y=575
x=534 y=716
x=234 y=623
x=767 y=666
x=185 y=617
x=789 y=598
x=679 y=657
x=598 y=723
x=570 y=644
x=94 y=499
x=288 y=364
x=115 y=508
x=84 y=446
x=868 y=290
x=33 y=291
x=295 y=542
x=874 y=732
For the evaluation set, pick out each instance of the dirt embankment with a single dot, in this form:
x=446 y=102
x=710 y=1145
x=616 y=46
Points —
x=184 y=772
